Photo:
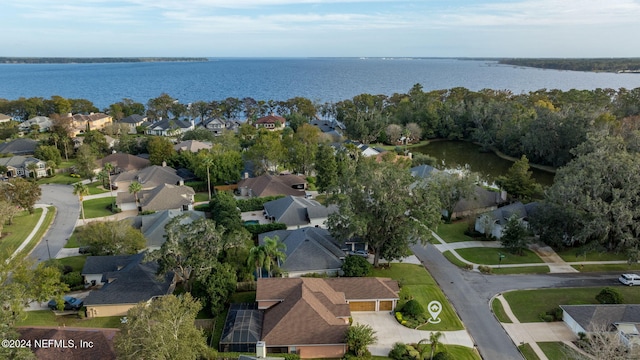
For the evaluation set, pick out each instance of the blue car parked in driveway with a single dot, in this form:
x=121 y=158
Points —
x=70 y=303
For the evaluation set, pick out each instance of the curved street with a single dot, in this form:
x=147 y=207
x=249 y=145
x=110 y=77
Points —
x=67 y=213
x=470 y=292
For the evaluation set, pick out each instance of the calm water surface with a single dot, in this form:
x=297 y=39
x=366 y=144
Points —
x=461 y=155
x=320 y=79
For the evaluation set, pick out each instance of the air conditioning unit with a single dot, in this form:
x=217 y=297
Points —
x=261 y=349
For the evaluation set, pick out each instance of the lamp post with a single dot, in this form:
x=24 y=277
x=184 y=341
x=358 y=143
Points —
x=500 y=257
x=48 y=250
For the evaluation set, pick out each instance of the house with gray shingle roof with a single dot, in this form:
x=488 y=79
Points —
x=133 y=121
x=149 y=177
x=18 y=166
x=126 y=282
x=20 y=146
x=621 y=318
x=493 y=222
x=297 y=212
x=271 y=185
x=308 y=250
x=123 y=162
x=215 y=125
x=161 y=197
x=43 y=123
x=153 y=225
x=168 y=127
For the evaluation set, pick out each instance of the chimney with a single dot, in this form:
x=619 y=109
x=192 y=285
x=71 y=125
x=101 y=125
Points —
x=261 y=350
x=246 y=175
x=164 y=164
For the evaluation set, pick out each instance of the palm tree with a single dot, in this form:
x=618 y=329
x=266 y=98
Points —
x=52 y=166
x=274 y=253
x=102 y=176
x=134 y=188
x=108 y=167
x=33 y=168
x=434 y=339
x=81 y=189
x=256 y=258
x=208 y=162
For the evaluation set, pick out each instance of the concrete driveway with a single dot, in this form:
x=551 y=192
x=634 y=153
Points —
x=389 y=332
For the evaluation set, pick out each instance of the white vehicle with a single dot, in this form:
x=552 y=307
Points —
x=629 y=279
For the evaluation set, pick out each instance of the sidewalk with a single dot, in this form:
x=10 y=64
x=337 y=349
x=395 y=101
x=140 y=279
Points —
x=33 y=232
x=532 y=333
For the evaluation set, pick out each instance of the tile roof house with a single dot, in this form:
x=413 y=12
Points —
x=493 y=222
x=309 y=316
x=123 y=162
x=20 y=146
x=101 y=341
x=298 y=212
x=270 y=122
x=168 y=127
x=308 y=250
x=133 y=121
x=43 y=123
x=621 y=318
x=153 y=225
x=93 y=121
x=161 y=197
x=270 y=185
x=149 y=177
x=192 y=145
x=126 y=282
x=18 y=166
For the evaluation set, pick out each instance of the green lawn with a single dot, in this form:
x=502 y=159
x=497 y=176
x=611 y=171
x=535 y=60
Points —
x=97 y=207
x=76 y=262
x=559 y=351
x=521 y=270
x=527 y=305
x=73 y=240
x=96 y=188
x=606 y=267
x=527 y=352
x=498 y=311
x=453 y=259
x=417 y=283
x=454 y=232
x=201 y=197
x=48 y=318
x=490 y=256
x=583 y=253
x=59 y=178
x=13 y=235
x=48 y=219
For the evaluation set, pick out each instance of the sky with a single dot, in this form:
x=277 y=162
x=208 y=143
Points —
x=320 y=28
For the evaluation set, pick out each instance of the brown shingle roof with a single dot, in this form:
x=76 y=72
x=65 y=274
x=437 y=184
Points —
x=365 y=288
x=102 y=340
x=271 y=119
x=166 y=197
x=124 y=162
x=270 y=185
x=310 y=312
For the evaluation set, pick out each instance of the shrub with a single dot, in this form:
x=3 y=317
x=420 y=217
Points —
x=609 y=296
x=485 y=269
x=443 y=355
x=356 y=266
x=412 y=309
x=72 y=279
x=197 y=186
x=546 y=317
x=256 y=203
x=291 y=357
x=398 y=351
x=263 y=228
x=147 y=212
x=201 y=207
x=468 y=267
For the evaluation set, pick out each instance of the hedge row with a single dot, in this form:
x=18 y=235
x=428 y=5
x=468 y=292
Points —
x=257 y=229
x=255 y=203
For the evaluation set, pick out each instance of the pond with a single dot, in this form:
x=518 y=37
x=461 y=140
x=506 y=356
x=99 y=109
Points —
x=462 y=154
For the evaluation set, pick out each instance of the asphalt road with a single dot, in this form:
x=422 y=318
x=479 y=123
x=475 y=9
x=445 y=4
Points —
x=470 y=293
x=67 y=213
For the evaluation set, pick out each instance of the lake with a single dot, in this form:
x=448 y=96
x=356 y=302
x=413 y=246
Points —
x=318 y=79
x=466 y=155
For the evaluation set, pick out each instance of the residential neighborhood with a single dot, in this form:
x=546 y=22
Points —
x=276 y=238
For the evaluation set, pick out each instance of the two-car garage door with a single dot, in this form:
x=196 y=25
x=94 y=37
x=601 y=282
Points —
x=370 y=306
